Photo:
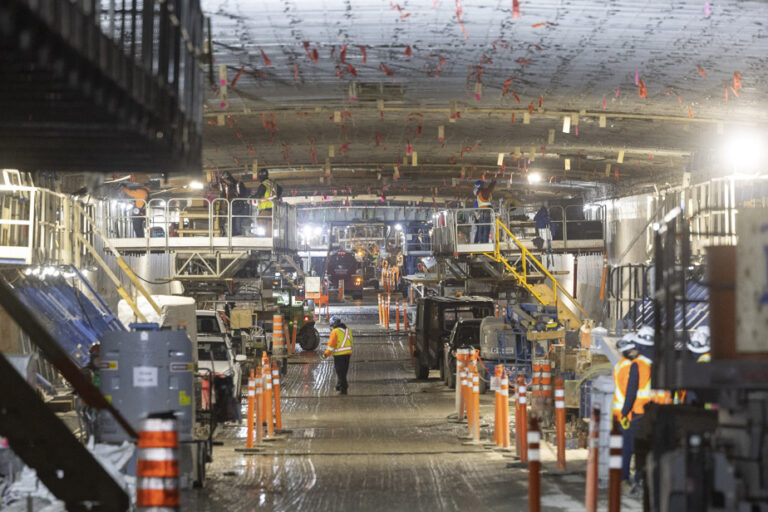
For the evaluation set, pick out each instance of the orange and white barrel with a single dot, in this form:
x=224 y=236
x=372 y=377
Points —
x=157 y=466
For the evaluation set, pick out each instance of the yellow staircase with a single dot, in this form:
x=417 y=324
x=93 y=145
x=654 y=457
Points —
x=531 y=270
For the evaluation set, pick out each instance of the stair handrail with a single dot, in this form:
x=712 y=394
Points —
x=528 y=254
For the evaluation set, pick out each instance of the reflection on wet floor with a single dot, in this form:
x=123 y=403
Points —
x=388 y=445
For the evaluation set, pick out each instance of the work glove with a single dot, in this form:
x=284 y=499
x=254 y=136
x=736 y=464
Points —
x=323 y=356
x=624 y=422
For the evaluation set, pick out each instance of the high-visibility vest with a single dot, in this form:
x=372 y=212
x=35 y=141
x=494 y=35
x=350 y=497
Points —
x=704 y=358
x=620 y=378
x=483 y=202
x=269 y=193
x=644 y=391
x=343 y=342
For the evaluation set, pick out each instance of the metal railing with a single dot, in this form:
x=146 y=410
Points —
x=37 y=227
x=198 y=222
x=572 y=227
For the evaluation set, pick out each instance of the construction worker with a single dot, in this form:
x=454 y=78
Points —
x=340 y=346
x=267 y=193
x=632 y=379
x=236 y=193
x=698 y=344
x=140 y=195
x=644 y=340
x=483 y=218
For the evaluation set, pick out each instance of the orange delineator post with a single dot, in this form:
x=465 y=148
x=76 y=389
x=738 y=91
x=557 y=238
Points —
x=259 y=404
x=497 y=309
x=590 y=499
x=534 y=466
x=459 y=395
x=381 y=322
x=276 y=394
x=157 y=464
x=505 y=410
x=405 y=316
x=397 y=314
x=268 y=401
x=251 y=408
x=498 y=422
x=265 y=366
x=292 y=349
x=614 y=469
x=475 y=405
x=523 y=413
x=560 y=422
x=387 y=310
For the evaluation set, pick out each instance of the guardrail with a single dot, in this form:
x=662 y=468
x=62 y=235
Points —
x=196 y=223
x=37 y=226
x=572 y=228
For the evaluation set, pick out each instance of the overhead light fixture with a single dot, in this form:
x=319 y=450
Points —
x=398 y=227
x=195 y=185
x=534 y=177
x=743 y=154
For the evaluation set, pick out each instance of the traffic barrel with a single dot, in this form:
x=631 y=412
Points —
x=157 y=464
x=546 y=379
x=590 y=499
x=560 y=422
x=276 y=394
x=534 y=466
x=614 y=469
x=536 y=381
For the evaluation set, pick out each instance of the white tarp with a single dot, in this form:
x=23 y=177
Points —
x=176 y=310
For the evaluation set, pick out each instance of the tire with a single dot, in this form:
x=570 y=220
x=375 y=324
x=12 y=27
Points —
x=420 y=369
x=442 y=368
x=450 y=374
x=309 y=339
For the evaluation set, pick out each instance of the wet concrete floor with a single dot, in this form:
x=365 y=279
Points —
x=386 y=446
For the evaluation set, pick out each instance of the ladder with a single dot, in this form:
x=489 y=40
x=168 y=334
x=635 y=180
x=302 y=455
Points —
x=528 y=271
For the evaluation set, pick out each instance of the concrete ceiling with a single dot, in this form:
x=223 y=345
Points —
x=564 y=58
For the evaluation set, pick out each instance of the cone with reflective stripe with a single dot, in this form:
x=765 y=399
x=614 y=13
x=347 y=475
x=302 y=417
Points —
x=157 y=464
x=252 y=417
x=534 y=466
x=560 y=422
x=614 y=466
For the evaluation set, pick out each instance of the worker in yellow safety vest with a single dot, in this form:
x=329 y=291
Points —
x=340 y=346
x=266 y=194
x=632 y=391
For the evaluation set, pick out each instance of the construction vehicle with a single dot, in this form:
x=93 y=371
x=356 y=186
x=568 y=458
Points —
x=345 y=272
x=435 y=319
x=299 y=317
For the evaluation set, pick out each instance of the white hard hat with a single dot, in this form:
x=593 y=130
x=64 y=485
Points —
x=698 y=343
x=644 y=336
x=626 y=343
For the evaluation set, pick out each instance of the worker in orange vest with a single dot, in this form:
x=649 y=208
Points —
x=483 y=217
x=140 y=195
x=632 y=378
x=340 y=346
